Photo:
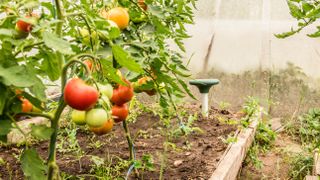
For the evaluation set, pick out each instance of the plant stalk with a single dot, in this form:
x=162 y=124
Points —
x=53 y=172
x=128 y=136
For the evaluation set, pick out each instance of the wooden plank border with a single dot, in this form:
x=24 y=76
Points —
x=231 y=161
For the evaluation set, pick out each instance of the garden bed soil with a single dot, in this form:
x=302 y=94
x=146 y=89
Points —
x=197 y=162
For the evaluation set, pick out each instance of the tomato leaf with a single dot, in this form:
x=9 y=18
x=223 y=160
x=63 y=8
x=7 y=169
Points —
x=5 y=126
x=41 y=132
x=56 y=43
x=32 y=165
x=185 y=87
x=16 y=76
x=3 y=138
x=125 y=60
x=51 y=65
x=6 y=32
x=110 y=72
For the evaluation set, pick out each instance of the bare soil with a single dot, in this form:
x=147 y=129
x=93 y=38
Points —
x=194 y=157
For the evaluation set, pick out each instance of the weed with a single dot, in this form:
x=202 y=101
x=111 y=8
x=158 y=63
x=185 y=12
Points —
x=301 y=165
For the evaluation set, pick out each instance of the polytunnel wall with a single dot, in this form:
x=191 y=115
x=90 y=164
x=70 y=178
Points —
x=244 y=38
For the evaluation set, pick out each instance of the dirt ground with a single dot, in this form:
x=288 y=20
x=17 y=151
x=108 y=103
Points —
x=196 y=162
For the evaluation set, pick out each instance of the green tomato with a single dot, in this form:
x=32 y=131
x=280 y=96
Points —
x=78 y=117
x=106 y=90
x=139 y=19
x=19 y=34
x=86 y=36
x=96 y=117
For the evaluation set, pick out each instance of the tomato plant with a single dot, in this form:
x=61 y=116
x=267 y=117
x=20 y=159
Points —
x=54 y=45
x=306 y=13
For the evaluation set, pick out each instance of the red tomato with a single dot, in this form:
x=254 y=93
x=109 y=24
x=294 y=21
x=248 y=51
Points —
x=104 y=129
x=88 y=62
x=79 y=95
x=121 y=112
x=24 y=26
x=26 y=105
x=142 y=4
x=122 y=94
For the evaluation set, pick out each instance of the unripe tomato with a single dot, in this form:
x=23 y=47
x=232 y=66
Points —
x=104 y=129
x=106 y=90
x=85 y=34
x=36 y=110
x=26 y=105
x=120 y=112
x=96 y=117
x=78 y=117
x=79 y=95
x=118 y=15
x=19 y=34
x=122 y=94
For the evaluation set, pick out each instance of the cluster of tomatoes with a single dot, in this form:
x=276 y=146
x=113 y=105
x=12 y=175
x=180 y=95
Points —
x=87 y=100
x=116 y=17
x=87 y=109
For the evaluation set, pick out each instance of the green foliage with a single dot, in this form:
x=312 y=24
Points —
x=263 y=141
x=250 y=109
x=31 y=61
x=264 y=136
x=41 y=132
x=32 y=165
x=307 y=128
x=306 y=12
x=301 y=165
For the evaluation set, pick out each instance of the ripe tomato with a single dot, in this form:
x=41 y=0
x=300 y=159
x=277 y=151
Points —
x=142 y=4
x=122 y=94
x=106 y=90
x=96 y=117
x=120 y=112
x=24 y=26
x=78 y=117
x=26 y=105
x=79 y=95
x=118 y=15
x=88 y=62
x=104 y=129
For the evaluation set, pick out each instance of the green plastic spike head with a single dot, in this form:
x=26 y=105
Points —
x=204 y=85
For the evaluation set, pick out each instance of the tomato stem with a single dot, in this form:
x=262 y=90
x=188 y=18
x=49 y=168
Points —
x=53 y=168
x=128 y=136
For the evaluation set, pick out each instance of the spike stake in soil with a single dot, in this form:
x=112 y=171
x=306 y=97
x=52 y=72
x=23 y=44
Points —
x=204 y=86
